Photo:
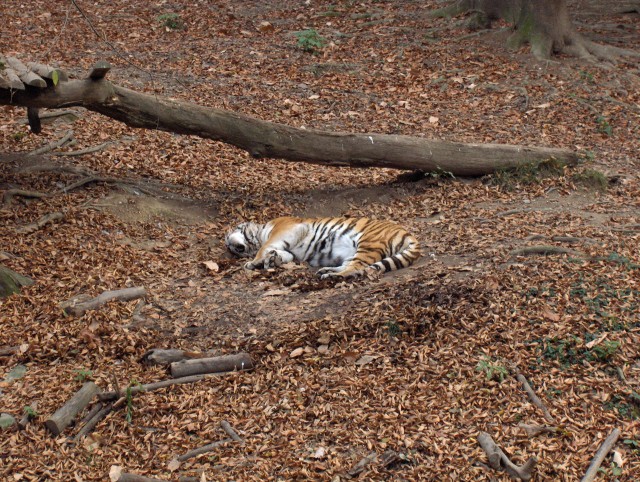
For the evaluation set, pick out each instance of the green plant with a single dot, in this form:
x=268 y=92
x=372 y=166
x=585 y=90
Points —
x=30 y=412
x=492 y=370
x=591 y=178
x=440 y=173
x=83 y=375
x=604 y=351
x=310 y=40
x=603 y=125
x=18 y=136
x=627 y=406
x=129 y=400
x=588 y=76
x=172 y=21
x=393 y=328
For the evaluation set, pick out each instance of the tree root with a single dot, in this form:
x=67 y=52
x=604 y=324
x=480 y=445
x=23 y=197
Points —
x=545 y=250
x=40 y=223
x=87 y=150
x=11 y=193
x=54 y=145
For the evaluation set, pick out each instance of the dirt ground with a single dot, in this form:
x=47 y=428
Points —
x=417 y=362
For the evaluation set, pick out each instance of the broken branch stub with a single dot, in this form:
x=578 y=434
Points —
x=495 y=453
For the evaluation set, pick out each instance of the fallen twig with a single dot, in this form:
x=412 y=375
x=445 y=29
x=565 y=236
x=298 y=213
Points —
x=73 y=307
x=498 y=458
x=360 y=466
x=149 y=387
x=87 y=150
x=534 y=398
x=203 y=450
x=225 y=363
x=43 y=221
x=9 y=350
x=124 y=477
x=11 y=193
x=88 y=427
x=602 y=452
x=65 y=414
x=54 y=145
x=544 y=249
x=231 y=432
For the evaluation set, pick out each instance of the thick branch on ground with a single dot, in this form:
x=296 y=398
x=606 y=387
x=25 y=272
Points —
x=544 y=24
x=160 y=356
x=203 y=450
x=267 y=139
x=97 y=417
x=65 y=414
x=602 y=452
x=497 y=458
x=77 y=308
x=225 y=363
x=533 y=430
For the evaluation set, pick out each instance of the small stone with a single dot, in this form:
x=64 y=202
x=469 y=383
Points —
x=6 y=420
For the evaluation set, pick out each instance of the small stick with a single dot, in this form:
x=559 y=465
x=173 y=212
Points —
x=150 y=387
x=360 y=466
x=515 y=472
x=544 y=249
x=43 y=221
x=65 y=414
x=202 y=450
x=95 y=409
x=534 y=398
x=70 y=307
x=225 y=363
x=87 y=150
x=231 y=432
x=54 y=145
x=9 y=350
x=602 y=452
x=91 y=424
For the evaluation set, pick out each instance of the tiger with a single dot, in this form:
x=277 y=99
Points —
x=340 y=247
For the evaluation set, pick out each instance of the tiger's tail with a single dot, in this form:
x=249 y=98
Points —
x=406 y=256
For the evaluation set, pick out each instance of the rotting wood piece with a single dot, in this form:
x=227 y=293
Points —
x=602 y=452
x=99 y=70
x=76 y=308
x=495 y=453
x=161 y=356
x=48 y=72
x=26 y=76
x=65 y=414
x=267 y=139
x=225 y=363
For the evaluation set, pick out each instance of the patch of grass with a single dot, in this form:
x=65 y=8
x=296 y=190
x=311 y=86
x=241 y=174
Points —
x=18 y=136
x=492 y=369
x=393 y=328
x=82 y=375
x=310 y=40
x=627 y=406
x=573 y=350
x=588 y=76
x=526 y=174
x=604 y=351
x=30 y=411
x=440 y=173
x=172 y=21
x=592 y=179
x=604 y=127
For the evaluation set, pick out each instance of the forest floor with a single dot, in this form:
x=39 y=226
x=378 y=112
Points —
x=417 y=362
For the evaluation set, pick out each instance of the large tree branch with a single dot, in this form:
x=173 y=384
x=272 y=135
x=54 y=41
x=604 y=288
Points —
x=267 y=139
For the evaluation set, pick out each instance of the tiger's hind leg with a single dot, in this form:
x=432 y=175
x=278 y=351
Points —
x=271 y=258
x=352 y=269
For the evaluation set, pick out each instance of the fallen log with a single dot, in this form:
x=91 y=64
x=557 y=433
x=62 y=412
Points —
x=225 y=363
x=65 y=414
x=263 y=139
x=78 y=308
x=161 y=356
x=203 y=450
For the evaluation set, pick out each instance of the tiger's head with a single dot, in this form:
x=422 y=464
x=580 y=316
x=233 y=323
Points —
x=244 y=240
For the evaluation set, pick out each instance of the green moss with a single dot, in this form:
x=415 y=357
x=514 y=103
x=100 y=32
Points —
x=591 y=179
x=527 y=173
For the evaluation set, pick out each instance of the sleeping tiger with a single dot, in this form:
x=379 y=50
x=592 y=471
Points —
x=342 y=247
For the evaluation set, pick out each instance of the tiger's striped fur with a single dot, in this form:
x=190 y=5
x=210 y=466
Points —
x=343 y=247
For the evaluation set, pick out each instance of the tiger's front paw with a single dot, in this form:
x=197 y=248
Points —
x=273 y=260
x=249 y=265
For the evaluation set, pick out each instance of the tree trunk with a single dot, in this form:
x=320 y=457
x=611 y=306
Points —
x=544 y=24
x=11 y=282
x=267 y=139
